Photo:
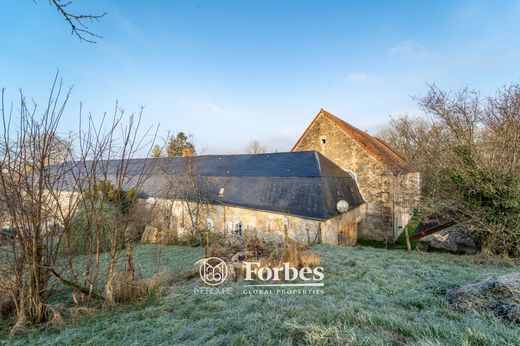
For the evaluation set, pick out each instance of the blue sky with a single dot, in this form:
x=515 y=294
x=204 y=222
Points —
x=231 y=71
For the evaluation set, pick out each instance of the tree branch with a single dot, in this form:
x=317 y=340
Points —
x=77 y=21
x=76 y=286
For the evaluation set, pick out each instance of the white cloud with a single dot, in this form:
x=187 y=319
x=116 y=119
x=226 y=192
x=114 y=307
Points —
x=361 y=77
x=409 y=49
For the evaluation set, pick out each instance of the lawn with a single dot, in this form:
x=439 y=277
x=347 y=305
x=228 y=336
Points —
x=372 y=297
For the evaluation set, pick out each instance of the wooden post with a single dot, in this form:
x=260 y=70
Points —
x=407 y=237
x=206 y=244
x=225 y=223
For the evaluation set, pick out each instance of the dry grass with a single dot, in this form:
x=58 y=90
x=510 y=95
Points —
x=269 y=254
x=296 y=255
x=309 y=259
x=229 y=247
x=291 y=254
x=82 y=311
x=127 y=291
x=55 y=321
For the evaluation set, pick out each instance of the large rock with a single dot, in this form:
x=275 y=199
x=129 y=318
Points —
x=154 y=235
x=451 y=239
x=494 y=295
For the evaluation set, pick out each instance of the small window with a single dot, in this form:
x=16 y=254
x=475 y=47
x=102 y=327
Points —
x=221 y=192
x=239 y=229
x=337 y=193
x=323 y=141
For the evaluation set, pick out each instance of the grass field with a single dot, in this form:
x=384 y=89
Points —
x=372 y=297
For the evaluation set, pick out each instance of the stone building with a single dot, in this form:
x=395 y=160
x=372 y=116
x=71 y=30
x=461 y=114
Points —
x=390 y=190
x=337 y=184
x=295 y=196
x=279 y=196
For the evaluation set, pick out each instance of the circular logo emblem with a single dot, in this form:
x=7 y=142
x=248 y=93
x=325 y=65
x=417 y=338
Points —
x=213 y=271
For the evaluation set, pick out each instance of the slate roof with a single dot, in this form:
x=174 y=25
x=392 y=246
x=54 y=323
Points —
x=375 y=147
x=304 y=184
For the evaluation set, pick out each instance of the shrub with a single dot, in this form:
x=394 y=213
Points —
x=124 y=199
x=93 y=220
x=97 y=216
x=146 y=289
x=489 y=200
x=291 y=254
x=196 y=239
x=227 y=247
x=465 y=147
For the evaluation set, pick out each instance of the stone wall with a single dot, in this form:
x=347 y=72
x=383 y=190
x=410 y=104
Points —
x=264 y=224
x=406 y=199
x=385 y=194
x=172 y=218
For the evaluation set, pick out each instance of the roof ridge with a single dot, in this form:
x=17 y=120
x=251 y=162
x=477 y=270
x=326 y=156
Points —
x=318 y=162
x=165 y=158
x=328 y=167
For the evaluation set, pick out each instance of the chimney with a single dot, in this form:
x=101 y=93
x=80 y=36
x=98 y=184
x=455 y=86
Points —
x=187 y=152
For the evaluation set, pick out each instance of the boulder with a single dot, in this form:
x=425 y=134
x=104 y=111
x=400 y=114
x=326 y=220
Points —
x=154 y=235
x=494 y=295
x=451 y=239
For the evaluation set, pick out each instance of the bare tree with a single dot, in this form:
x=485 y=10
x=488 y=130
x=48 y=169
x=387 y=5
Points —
x=255 y=147
x=103 y=181
x=466 y=148
x=187 y=187
x=41 y=198
x=27 y=148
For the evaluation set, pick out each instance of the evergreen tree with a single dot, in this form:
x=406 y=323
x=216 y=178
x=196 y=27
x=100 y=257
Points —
x=156 y=151
x=177 y=143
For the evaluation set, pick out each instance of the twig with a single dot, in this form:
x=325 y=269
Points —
x=76 y=21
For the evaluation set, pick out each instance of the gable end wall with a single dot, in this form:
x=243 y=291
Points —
x=375 y=181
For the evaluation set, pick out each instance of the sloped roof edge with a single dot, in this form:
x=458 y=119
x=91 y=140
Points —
x=394 y=150
x=382 y=152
